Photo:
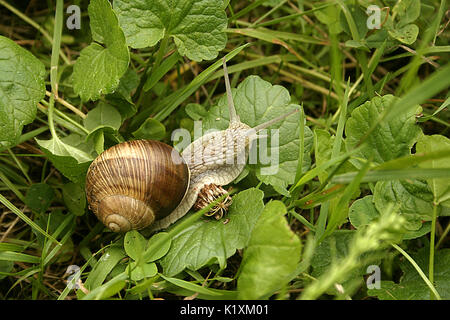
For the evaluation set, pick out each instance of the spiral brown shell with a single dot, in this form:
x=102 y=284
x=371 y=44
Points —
x=134 y=183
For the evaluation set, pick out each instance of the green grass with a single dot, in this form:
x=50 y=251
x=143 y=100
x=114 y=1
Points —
x=316 y=51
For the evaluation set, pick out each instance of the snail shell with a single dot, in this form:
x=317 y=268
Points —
x=134 y=183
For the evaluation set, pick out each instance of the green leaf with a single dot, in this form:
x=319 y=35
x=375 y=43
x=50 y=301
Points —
x=134 y=244
x=151 y=129
x=413 y=197
x=331 y=17
x=99 y=68
x=406 y=34
x=395 y=174
x=5 y=268
x=359 y=17
x=211 y=241
x=54 y=222
x=128 y=83
x=376 y=39
x=440 y=187
x=197 y=27
x=195 y=111
x=103 y=267
x=39 y=197
x=390 y=140
x=407 y=11
x=141 y=270
x=104 y=115
x=191 y=286
x=108 y=289
x=411 y=285
x=271 y=256
x=69 y=155
x=334 y=248
x=362 y=212
x=74 y=198
x=157 y=74
x=18 y=257
x=339 y=207
x=21 y=88
x=103 y=119
x=256 y=102
x=153 y=254
x=121 y=97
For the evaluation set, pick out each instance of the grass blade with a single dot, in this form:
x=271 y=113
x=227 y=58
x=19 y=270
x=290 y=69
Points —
x=170 y=103
x=419 y=271
x=27 y=220
x=385 y=175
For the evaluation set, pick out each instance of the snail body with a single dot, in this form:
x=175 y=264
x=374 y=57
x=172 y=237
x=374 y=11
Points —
x=145 y=183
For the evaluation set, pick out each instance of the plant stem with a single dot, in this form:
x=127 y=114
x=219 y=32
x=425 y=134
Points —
x=54 y=64
x=63 y=117
x=302 y=145
x=419 y=271
x=432 y=241
x=67 y=105
x=31 y=134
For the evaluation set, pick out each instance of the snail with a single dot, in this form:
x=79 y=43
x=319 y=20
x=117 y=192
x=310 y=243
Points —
x=145 y=183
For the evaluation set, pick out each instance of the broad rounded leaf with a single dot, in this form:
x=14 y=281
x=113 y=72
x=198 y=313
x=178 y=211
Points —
x=271 y=256
x=151 y=129
x=39 y=197
x=160 y=251
x=390 y=139
x=99 y=68
x=362 y=212
x=142 y=270
x=413 y=196
x=104 y=115
x=407 y=34
x=21 y=88
x=134 y=244
x=406 y=11
x=439 y=187
x=209 y=240
x=69 y=155
x=197 y=26
x=74 y=197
